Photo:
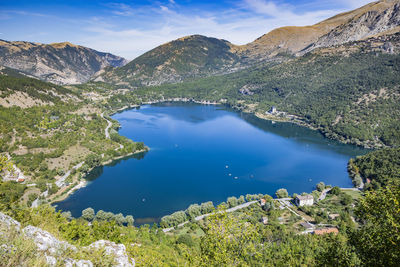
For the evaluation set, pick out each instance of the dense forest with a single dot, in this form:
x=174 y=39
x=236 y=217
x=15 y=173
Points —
x=381 y=167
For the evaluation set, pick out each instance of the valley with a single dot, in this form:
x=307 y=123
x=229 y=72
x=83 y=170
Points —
x=280 y=152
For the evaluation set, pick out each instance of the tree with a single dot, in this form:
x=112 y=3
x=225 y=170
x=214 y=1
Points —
x=119 y=219
x=335 y=191
x=378 y=240
x=320 y=186
x=229 y=241
x=281 y=193
x=269 y=203
x=88 y=214
x=5 y=164
x=185 y=239
x=338 y=252
x=67 y=215
x=93 y=160
x=346 y=199
x=139 y=146
x=193 y=211
x=129 y=220
x=232 y=202
x=241 y=200
x=101 y=215
x=207 y=207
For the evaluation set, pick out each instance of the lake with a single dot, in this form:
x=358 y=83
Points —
x=202 y=153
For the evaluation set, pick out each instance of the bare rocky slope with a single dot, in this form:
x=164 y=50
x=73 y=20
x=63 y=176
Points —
x=377 y=18
x=59 y=63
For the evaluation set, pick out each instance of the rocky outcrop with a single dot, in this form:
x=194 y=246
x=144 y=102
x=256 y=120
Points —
x=9 y=222
x=54 y=249
x=117 y=250
x=60 y=63
x=45 y=241
x=380 y=17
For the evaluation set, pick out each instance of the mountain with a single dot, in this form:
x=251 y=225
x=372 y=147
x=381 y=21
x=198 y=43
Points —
x=187 y=57
x=349 y=92
x=199 y=56
x=381 y=17
x=60 y=63
x=354 y=25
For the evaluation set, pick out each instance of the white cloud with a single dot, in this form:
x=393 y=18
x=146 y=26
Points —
x=159 y=24
x=121 y=9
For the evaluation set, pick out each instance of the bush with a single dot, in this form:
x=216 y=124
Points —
x=185 y=239
x=281 y=193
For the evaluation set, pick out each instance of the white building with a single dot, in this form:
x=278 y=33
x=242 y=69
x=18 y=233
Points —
x=307 y=200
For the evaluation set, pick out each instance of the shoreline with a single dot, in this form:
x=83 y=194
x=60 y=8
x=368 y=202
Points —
x=269 y=117
x=82 y=182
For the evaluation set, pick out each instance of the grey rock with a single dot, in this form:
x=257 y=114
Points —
x=51 y=261
x=370 y=23
x=80 y=263
x=46 y=241
x=116 y=250
x=8 y=221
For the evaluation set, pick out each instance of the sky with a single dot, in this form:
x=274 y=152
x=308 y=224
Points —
x=131 y=28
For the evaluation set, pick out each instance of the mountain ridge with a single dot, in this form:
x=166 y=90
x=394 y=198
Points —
x=59 y=63
x=278 y=45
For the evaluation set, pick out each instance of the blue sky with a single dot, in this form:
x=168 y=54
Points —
x=130 y=28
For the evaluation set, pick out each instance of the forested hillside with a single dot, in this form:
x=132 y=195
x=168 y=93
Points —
x=349 y=92
x=48 y=129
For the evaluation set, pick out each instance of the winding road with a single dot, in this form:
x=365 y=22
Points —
x=108 y=126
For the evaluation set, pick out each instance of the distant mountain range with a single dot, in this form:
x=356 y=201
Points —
x=59 y=63
x=196 y=56
x=199 y=56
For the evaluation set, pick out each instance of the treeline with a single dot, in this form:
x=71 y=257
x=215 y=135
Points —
x=195 y=210
x=89 y=215
x=33 y=87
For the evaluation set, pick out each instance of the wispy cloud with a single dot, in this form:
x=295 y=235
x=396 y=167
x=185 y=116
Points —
x=132 y=29
x=120 y=9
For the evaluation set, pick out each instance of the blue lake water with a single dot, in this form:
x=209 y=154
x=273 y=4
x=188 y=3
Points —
x=200 y=153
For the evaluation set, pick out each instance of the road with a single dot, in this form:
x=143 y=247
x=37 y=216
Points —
x=323 y=194
x=108 y=126
x=201 y=217
x=60 y=181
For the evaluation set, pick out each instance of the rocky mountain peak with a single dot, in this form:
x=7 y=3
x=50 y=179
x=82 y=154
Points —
x=60 y=63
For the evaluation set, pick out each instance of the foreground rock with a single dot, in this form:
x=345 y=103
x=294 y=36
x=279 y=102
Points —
x=54 y=249
x=117 y=250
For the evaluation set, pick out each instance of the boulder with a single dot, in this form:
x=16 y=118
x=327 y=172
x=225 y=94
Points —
x=8 y=221
x=46 y=241
x=118 y=251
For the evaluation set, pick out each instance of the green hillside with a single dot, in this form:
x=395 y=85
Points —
x=349 y=92
x=187 y=57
